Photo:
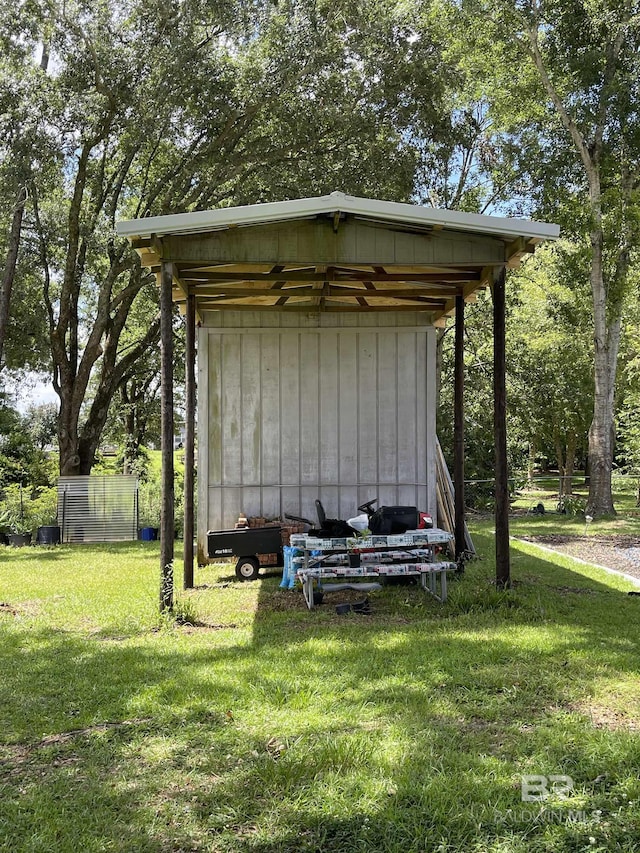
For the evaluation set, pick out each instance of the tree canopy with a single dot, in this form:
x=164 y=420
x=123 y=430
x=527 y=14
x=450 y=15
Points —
x=131 y=108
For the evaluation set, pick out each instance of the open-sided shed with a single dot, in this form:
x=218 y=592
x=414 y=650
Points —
x=316 y=347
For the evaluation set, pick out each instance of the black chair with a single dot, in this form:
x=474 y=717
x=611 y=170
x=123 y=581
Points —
x=322 y=516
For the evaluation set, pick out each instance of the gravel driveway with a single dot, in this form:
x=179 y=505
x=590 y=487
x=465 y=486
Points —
x=620 y=553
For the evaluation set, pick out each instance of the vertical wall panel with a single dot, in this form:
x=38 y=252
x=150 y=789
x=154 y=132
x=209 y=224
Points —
x=213 y=417
x=230 y=426
x=305 y=409
x=387 y=408
x=270 y=413
x=406 y=381
x=328 y=418
x=367 y=412
x=347 y=382
x=425 y=377
x=290 y=421
x=250 y=422
x=328 y=373
x=270 y=424
x=309 y=408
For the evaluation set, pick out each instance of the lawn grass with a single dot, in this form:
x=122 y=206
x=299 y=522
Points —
x=272 y=728
x=545 y=492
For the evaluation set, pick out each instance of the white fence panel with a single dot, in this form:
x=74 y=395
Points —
x=98 y=509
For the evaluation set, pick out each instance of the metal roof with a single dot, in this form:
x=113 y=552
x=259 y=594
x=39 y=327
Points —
x=332 y=253
x=336 y=203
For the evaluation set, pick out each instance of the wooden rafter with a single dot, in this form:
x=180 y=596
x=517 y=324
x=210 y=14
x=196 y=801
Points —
x=516 y=250
x=303 y=286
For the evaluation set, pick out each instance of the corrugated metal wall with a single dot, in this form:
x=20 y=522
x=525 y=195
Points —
x=98 y=509
x=338 y=408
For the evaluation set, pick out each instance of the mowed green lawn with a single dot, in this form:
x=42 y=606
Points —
x=271 y=728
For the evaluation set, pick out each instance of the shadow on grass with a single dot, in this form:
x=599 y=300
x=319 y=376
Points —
x=406 y=730
x=44 y=553
x=47 y=553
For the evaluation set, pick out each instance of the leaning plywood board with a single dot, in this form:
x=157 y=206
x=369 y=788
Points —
x=446 y=499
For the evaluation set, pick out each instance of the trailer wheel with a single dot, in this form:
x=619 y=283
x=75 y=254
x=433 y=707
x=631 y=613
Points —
x=247 y=569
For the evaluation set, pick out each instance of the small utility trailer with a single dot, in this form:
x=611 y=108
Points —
x=246 y=544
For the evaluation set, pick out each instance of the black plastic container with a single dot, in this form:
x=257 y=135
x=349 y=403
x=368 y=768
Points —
x=48 y=535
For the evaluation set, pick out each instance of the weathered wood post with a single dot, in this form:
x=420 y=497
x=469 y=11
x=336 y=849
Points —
x=458 y=428
x=503 y=568
x=189 y=441
x=166 y=416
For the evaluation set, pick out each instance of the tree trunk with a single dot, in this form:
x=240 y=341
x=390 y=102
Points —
x=166 y=369
x=503 y=560
x=606 y=341
x=68 y=437
x=606 y=311
x=130 y=448
x=531 y=464
x=570 y=461
x=10 y=266
x=560 y=461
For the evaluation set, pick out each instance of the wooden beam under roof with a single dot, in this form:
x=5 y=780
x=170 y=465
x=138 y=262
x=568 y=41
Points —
x=329 y=305
x=279 y=284
x=184 y=292
x=329 y=275
x=325 y=287
x=148 y=259
x=516 y=250
x=311 y=296
x=432 y=266
x=247 y=268
x=468 y=291
x=327 y=291
x=329 y=308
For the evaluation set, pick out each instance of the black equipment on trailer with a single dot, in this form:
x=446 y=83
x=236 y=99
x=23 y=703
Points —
x=245 y=544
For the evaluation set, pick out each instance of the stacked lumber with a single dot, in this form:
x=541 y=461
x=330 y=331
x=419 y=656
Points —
x=445 y=496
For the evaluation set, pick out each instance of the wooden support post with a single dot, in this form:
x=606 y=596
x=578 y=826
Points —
x=503 y=568
x=189 y=442
x=458 y=429
x=166 y=404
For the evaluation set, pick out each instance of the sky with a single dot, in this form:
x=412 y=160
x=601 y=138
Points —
x=31 y=392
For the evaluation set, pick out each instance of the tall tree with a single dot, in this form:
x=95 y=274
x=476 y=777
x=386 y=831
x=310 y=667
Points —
x=160 y=107
x=23 y=146
x=564 y=77
x=550 y=365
